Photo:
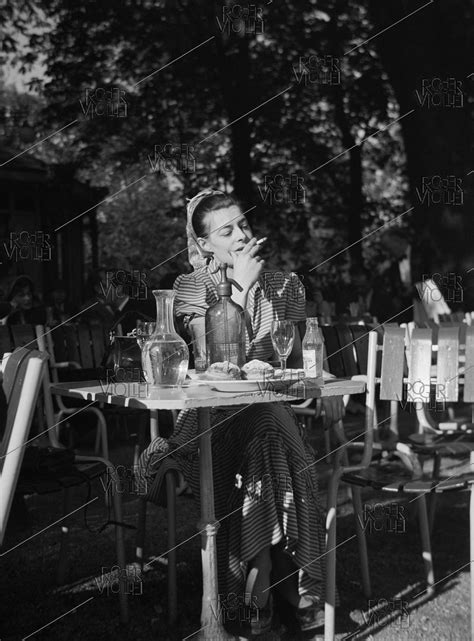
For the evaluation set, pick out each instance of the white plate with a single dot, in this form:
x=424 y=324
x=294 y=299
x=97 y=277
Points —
x=226 y=385
x=244 y=385
x=237 y=386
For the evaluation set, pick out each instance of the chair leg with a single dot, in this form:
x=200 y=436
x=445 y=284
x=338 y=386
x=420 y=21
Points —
x=140 y=443
x=64 y=544
x=434 y=497
x=471 y=545
x=327 y=445
x=172 y=582
x=140 y=539
x=361 y=540
x=121 y=560
x=426 y=544
x=101 y=432
x=330 y=604
x=97 y=441
x=394 y=410
x=142 y=504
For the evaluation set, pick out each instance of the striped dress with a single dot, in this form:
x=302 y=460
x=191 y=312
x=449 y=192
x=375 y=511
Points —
x=265 y=482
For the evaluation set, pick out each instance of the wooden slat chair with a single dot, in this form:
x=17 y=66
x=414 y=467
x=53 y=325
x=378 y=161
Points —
x=449 y=367
x=22 y=386
x=25 y=336
x=371 y=470
x=450 y=363
x=345 y=355
x=310 y=409
x=63 y=343
x=6 y=341
x=22 y=377
x=419 y=384
x=99 y=343
x=334 y=355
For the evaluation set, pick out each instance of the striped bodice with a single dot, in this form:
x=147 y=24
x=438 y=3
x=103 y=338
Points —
x=275 y=296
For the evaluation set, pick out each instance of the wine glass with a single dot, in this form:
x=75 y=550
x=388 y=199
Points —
x=144 y=330
x=283 y=337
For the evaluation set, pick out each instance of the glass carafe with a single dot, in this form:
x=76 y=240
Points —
x=165 y=355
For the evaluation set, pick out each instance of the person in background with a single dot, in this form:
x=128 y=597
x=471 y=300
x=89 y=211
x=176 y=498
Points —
x=355 y=299
x=58 y=308
x=100 y=305
x=26 y=307
x=363 y=291
x=393 y=293
x=316 y=305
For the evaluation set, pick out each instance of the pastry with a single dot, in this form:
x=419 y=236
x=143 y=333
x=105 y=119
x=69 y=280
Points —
x=222 y=371
x=258 y=370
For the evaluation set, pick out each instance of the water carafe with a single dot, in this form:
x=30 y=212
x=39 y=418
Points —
x=165 y=355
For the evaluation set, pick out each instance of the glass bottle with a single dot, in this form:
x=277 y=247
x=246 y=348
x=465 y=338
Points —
x=225 y=325
x=313 y=349
x=165 y=355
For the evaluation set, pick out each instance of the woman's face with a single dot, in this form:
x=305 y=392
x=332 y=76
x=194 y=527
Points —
x=24 y=298
x=228 y=230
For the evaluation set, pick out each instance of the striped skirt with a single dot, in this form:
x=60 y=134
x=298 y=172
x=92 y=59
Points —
x=265 y=488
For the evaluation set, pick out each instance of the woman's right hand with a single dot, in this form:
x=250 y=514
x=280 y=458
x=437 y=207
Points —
x=247 y=265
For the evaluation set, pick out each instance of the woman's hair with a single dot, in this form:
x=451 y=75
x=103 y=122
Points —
x=210 y=203
x=19 y=284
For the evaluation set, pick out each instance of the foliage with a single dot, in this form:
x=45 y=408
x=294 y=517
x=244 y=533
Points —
x=303 y=133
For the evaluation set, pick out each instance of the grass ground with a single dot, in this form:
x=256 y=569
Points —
x=33 y=607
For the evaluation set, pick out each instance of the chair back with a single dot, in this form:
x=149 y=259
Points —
x=346 y=349
x=24 y=336
x=413 y=370
x=22 y=377
x=74 y=346
x=6 y=343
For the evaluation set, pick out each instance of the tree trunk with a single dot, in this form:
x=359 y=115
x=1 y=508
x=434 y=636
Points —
x=356 y=199
x=355 y=203
x=234 y=75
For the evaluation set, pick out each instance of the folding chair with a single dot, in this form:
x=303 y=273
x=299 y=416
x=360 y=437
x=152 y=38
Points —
x=21 y=384
x=70 y=349
x=364 y=473
x=22 y=377
x=406 y=375
x=6 y=343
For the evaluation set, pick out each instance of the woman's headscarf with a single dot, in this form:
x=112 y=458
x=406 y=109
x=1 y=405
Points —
x=14 y=284
x=197 y=256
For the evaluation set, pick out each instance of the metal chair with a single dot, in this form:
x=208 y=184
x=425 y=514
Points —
x=24 y=373
x=406 y=375
x=71 y=349
x=22 y=377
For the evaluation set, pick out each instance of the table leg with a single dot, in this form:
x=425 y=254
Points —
x=212 y=628
x=154 y=430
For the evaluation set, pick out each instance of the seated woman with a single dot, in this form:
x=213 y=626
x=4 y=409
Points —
x=272 y=527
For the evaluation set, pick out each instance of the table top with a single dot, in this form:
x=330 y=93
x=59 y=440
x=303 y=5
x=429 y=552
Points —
x=134 y=395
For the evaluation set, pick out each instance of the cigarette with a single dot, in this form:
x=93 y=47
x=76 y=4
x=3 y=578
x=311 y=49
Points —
x=262 y=240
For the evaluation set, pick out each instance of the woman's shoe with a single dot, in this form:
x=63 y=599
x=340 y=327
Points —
x=312 y=616
x=261 y=623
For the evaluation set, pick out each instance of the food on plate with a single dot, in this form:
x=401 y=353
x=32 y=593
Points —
x=258 y=370
x=224 y=370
